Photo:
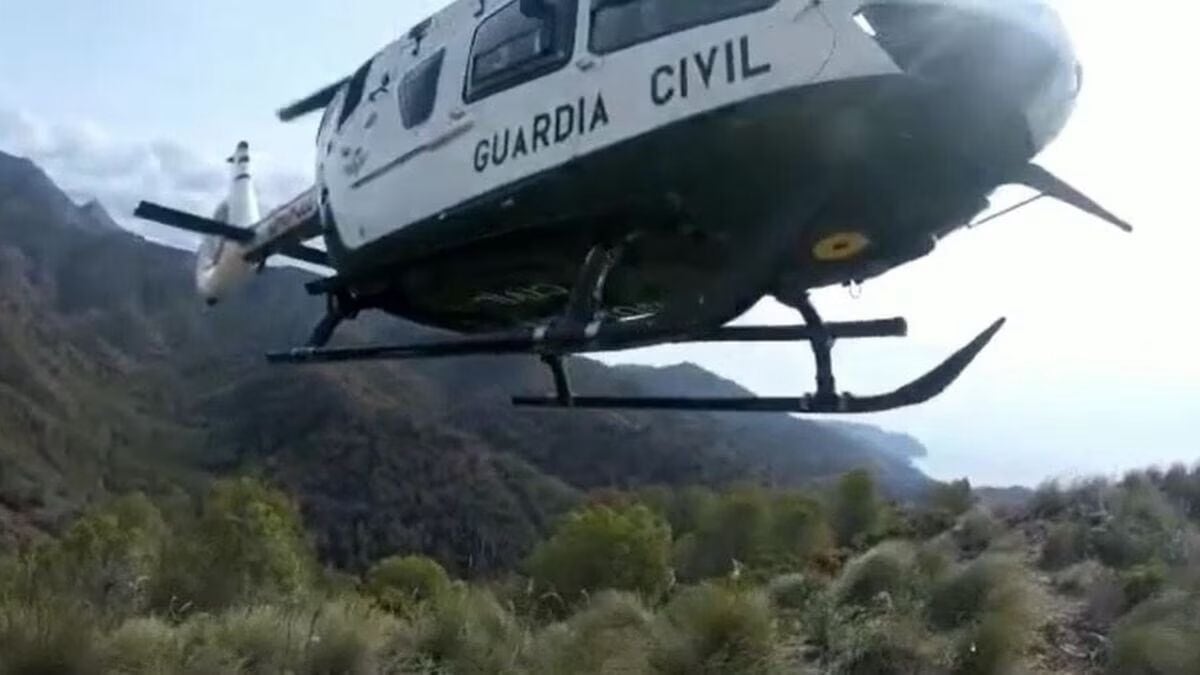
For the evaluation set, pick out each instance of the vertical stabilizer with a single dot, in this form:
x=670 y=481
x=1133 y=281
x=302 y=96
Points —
x=243 y=199
x=221 y=264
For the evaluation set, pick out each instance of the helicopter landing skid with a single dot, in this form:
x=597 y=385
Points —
x=583 y=328
x=553 y=343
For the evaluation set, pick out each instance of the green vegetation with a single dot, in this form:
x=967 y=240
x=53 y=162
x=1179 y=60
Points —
x=1091 y=577
x=601 y=547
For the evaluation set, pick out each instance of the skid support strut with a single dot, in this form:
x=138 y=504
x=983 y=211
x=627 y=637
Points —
x=339 y=307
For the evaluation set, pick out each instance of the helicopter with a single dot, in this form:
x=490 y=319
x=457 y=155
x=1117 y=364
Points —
x=564 y=177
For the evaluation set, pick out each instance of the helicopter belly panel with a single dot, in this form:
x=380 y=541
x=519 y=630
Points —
x=592 y=104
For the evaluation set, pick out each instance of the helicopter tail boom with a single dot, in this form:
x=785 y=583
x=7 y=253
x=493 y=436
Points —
x=237 y=241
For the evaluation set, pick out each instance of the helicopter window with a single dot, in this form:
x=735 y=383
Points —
x=354 y=92
x=418 y=91
x=523 y=40
x=617 y=24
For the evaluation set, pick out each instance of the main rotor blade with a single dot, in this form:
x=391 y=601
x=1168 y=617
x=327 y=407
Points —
x=313 y=102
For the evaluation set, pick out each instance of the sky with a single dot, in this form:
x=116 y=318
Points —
x=1097 y=371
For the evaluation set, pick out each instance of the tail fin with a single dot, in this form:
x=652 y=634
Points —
x=237 y=239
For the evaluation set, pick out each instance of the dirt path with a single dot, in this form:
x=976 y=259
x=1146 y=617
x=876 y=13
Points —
x=1065 y=643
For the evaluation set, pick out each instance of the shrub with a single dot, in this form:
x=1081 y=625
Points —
x=1158 y=637
x=709 y=629
x=1142 y=581
x=926 y=523
x=1066 y=544
x=1079 y=579
x=107 y=553
x=612 y=634
x=992 y=645
x=1048 y=501
x=857 y=511
x=604 y=548
x=799 y=530
x=1144 y=526
x=888 y=568
x=264 y=638
x=691 y=507
x=1105 y=599
x=989 y=584
x=889 y=645
x=932 y=560
x=793 y=591
x=975 y=531
x=737 y=531
x=466 y=630
x=142 y=645
x=46 y=636
x=954 y=498
x=346 y=638
x=397 y=583
x=247 y=547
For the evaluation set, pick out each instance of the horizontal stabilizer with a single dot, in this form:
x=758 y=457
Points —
x=1043 y=181
x=305 y=254
x=192 y=223
x=311 y=103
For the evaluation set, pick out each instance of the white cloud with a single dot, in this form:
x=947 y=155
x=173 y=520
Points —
x=89 y=163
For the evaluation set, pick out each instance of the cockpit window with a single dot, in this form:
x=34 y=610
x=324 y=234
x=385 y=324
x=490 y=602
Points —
x=521 y=41
x=617 y=24
x=354 y=92
x=418 y=91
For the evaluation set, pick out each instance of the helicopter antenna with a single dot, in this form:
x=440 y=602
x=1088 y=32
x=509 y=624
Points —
x=1000 y=214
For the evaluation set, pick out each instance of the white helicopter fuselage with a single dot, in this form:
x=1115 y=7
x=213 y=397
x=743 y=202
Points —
x=382 y=176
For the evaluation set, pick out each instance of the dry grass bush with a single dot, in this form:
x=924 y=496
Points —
x=711 y=630
x=399 y=583
x=794 y=591
x=988 y=584
x=1104 y=601
x=991 y=645
x=1158 y=638
x=347 y=637
x=330 y=637
x=976 y=530
x=894 y=644
x=1143 y=527
x=886 y=569
x=1079 y=579
x=142 y=645
x=934 y=558
x=611 y=635
x=1048 y=501
x=466 y=630
x=1066 y=544
x=259 y=639
x=1141 y=582
x=46 y=636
